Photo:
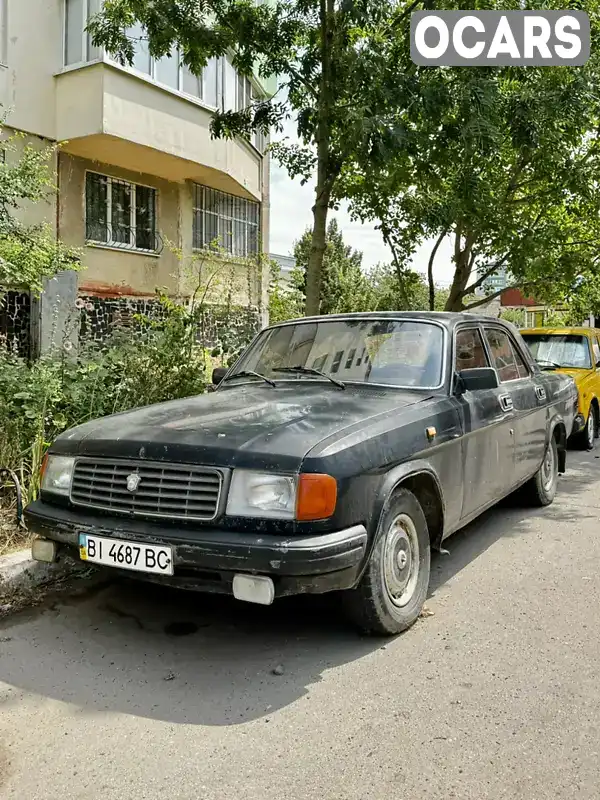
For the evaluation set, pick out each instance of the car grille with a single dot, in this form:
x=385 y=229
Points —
x=176 y=491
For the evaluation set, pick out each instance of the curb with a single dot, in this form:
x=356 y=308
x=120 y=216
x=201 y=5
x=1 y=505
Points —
x=21 y=575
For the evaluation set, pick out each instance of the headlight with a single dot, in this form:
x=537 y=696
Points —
x=57 y=474
x=305 y=497
x=260 y=494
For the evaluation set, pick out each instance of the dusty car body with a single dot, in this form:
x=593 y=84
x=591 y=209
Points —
x=575 y=352
x=334 y=455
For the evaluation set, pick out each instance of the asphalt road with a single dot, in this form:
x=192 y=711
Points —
x=131 y=692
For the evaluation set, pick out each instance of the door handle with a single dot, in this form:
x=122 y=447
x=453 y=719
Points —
x=540 y=392
x=506 y=402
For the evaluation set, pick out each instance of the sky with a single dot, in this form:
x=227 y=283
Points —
x=291 y=214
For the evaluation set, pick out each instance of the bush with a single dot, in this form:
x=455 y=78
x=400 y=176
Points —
x=160 y=360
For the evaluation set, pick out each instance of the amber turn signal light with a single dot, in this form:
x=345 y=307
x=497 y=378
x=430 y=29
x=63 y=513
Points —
x=43 y=467
x=317 y=496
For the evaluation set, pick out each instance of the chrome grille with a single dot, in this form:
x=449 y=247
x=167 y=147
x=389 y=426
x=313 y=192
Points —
x=176 y=491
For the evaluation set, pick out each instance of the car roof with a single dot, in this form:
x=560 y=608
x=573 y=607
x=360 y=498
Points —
x=447 y=318
x=563 y=331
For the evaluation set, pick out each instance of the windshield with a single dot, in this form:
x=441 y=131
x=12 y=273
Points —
x=393 y=352
x=562 y=350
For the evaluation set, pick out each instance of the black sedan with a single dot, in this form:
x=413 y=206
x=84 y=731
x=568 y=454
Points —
x=333 y=456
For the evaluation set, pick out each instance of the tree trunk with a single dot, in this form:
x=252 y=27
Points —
x=317 y=251
x=324 y=176
x=430 y=280
x=462 y=271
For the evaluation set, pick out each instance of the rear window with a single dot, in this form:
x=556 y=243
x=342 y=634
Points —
x=559 y=350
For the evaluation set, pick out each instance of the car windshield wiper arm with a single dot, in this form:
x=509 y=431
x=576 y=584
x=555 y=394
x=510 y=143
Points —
x=310 y=371
x=552 y=364
x=249 y=373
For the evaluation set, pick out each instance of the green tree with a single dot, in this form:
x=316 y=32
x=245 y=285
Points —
x=503 y=161
x=407 y=293
x=333 y=61
x=344 y=285
x=28 y=254
x=285 y=300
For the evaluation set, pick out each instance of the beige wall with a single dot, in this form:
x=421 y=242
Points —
x=34 y=55
x=113 y=270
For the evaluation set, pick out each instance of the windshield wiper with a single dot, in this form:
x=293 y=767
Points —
x=249 y=373
x=310 y=371
x=551 y=364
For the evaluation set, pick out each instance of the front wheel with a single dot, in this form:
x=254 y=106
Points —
x=393 y=589
x=541 y=489
x=585 y=439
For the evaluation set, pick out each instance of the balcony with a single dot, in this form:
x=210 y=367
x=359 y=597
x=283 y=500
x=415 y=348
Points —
x=113 y=115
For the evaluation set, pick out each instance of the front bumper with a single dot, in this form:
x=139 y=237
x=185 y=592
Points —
x=578 y=423
x=207 y=559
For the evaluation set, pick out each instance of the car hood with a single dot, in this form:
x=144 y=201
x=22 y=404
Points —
x=578 y=375
x=251 y=426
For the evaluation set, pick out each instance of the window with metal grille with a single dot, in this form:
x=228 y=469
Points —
x=225 y=221
x=119 y=213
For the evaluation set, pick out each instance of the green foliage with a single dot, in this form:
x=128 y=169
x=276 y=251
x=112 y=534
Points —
x=158 y=356
x=344 y=285
x=505 y=161
x=515 y=315
x=285 y=301
x=28 y=254
x=159 y=360
x=582 y=301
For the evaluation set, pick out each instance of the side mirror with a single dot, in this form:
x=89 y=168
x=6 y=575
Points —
x=218 y=374
x=473 y=380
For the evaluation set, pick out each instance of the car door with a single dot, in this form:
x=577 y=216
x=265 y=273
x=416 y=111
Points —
x=527 y=398
x=487 y=452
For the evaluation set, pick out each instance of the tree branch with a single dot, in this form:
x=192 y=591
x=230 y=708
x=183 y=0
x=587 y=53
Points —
x=487 y=299
x=479 y=282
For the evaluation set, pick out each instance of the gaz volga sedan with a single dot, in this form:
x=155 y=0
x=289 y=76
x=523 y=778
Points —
x=335 y=455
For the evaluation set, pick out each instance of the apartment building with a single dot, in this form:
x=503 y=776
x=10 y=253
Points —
x=137 y=173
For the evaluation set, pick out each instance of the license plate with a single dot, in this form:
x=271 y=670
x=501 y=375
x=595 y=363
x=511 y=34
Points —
x=126 y=555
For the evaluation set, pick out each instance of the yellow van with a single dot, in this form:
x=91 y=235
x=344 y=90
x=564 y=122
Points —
x=575 y=351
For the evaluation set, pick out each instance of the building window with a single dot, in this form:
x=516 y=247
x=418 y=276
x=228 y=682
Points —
x=120 y=214
x=205 y=86
x=226 y=221
x=78 y=46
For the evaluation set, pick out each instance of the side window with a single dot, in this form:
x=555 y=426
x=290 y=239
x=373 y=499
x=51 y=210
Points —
x=521 y=365
x=508 y=362
x=596 y=349
x=470 y=352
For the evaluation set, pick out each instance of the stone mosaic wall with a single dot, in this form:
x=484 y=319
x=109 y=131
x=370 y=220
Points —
x=227 y=329
x=220 y=327
x=15 y=317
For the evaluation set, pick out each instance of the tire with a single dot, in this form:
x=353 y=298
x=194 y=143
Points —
x=393 y=589
x=541 y=489
x=586 y=439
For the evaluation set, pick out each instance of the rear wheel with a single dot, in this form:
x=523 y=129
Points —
x=586 y=438
x=393 y=589
x=541 y=489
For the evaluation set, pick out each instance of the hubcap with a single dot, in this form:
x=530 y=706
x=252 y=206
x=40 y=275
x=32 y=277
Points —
x=401 y=560
x=590 y=428
x=548 y=468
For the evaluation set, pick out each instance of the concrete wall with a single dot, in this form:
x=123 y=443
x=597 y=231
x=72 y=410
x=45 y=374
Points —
x=34 y=55
x=110 y=270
